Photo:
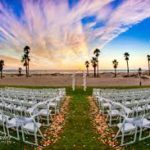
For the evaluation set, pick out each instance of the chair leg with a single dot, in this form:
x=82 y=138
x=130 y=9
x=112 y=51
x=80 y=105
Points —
x=35 y=137
x=122 y=139
x=141 y=133
x=9 y=135
x=48 y=120
x=28 y=142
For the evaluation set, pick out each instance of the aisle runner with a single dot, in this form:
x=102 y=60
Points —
x=52 y=134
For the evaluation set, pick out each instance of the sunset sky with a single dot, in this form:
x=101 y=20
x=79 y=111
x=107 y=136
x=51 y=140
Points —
x=62 y=34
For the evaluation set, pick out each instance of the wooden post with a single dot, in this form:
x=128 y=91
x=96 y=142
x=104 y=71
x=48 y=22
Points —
x=84 y=81
x=73 y=82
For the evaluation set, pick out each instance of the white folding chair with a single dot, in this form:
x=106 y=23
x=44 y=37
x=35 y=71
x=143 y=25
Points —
x=31 y=128
x=12 y=125
x=45 y=112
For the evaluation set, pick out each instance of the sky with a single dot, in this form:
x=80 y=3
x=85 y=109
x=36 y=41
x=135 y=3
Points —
x=63 y=34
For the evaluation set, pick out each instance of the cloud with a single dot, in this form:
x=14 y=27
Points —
x=56 y=33
x=52 y=30
x=129 y=13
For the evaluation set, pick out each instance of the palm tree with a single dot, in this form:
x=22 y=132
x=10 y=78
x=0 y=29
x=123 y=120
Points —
x=97 y=53
x=1 y=67
x=126 y=55
x=87 y=66
x=26 y=59
x=148 y=58
x=115 y=63
x=94 y=64
x=20 y=70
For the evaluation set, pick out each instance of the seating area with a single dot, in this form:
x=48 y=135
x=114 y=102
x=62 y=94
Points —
x=24 y=113
x=127 y=112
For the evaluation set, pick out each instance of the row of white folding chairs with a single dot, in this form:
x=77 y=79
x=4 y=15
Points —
x=27 y=98
x=116 y=92
x=26 y=124
x=21 y=110
x=126 y=96
x=126 y=99
x=132 y=125
x=133 y=101
x=31 y=97
x=133 y=108
x=125 y=128
x=29 y=94
x=34 y=94
x=25 y=90
x=21 y=105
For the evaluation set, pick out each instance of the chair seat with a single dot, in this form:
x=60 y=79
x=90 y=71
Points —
x=128 y=110
x=31 y=102
x=30 y=110
x=3 y=117
x=52 y=104
x=8 y=106
x=142 y=122
x=19 y=108
x=126 y=127
x=57 y=99
x=12 y=122
x=44 y=112
x=129 y=120
x=106 y=105
x=148 y=107
x=31 y=126
x=139 y=109
x=127 y=103
x=113 y=112
x=27 y=119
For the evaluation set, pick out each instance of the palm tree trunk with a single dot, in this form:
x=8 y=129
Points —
x=149 y=67
x=28 y=68
x=127 y=68
x=94 y=71
x=1 y=74
x=26 y=71
x=87 y=71
x=140 y=80
x=97 y=68
x=115 y=72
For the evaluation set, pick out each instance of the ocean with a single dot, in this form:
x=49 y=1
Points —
x=66 y=71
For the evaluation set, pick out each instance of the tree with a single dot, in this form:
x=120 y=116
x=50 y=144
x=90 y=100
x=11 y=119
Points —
x=26 y=59
x=115 y=65
x=20 y=70
x=1 y=67
x=126 y=55
x=148 y=58
x=94 y=64
x=97 y=53
x=87 y=66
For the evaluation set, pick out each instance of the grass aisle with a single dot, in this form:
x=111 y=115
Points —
x=78 y=132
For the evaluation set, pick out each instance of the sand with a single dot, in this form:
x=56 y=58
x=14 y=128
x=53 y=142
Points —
x=62 y=80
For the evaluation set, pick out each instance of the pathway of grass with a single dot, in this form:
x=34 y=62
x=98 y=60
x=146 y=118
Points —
x=78 y=132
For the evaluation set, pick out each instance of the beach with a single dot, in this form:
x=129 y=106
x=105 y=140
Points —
x=63 y=80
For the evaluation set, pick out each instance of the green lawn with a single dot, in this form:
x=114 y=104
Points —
x=78 y=133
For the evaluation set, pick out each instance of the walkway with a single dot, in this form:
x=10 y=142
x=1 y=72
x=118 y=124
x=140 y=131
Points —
x=78 y=133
